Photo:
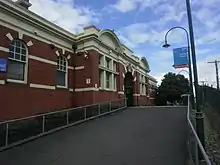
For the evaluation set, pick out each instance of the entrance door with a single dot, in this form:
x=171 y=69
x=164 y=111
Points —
x=128 y=84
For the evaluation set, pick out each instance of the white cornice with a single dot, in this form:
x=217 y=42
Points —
x=40 y=22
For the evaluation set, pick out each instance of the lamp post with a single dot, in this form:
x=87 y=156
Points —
x=199 y=114
x=166 y=45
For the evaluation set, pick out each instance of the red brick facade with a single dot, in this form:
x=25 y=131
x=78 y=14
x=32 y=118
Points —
x=23 y=99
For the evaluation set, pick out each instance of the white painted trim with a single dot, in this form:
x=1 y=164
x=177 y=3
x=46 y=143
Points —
x=42 y=60
x=2 y=82
x=57 y=53
x=79 y=67
x=20 y=35
x=30 y=43
x=135 y=78
x=68 y=57
x=4 y=49
x=63 y=87
x=70 y=67
x=42 y=86
x=17 y=81
x=136 y=94
x=121 y=92
x=108 y=89
x=71 y=89
x=29 y=33
x=86 y=89
x=63 y=51
x=9 y=36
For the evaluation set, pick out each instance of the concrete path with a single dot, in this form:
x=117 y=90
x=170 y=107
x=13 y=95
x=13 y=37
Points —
x=138 y=136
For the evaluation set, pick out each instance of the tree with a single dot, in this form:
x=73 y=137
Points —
x=171 y=88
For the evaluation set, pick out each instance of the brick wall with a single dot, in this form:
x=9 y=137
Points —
x=19 y=100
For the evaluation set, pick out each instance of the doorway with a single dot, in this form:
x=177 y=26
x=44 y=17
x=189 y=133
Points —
x=129 y=85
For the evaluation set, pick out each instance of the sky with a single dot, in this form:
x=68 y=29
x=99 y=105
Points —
x=141 y=25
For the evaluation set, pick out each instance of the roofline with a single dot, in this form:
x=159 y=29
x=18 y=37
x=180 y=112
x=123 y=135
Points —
x=30 y=16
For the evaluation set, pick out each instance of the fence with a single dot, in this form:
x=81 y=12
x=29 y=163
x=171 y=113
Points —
x=18 y=131
x=194 y=144
x=211 y=96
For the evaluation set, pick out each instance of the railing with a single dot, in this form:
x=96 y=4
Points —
x=18 y=131
x=194 y=144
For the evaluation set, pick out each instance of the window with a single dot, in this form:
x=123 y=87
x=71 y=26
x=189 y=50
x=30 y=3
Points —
x=108 y=63
x=61 y=71
x=107 y=75
x=115 y=82
x=17 y=60
x=101 y=78
x=101 y=60
x=114 y=66
x=108 y=79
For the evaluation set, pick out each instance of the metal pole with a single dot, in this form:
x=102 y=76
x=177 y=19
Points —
x=43 y=124
x=67 y=118
x=85 y=112
x=199 y=114
x=190 y=65
x=6 y=137
x=216 y=70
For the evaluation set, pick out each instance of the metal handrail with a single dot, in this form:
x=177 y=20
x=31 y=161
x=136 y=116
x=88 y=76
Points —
x=206 y=158
x=94 y=114
x=56 y=112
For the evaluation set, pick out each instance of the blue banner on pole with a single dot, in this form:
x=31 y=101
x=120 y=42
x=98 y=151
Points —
x=180 y=56
x=2 y=65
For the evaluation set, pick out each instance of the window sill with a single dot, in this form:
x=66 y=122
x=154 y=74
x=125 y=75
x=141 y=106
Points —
x=107 y=89
x=17 y=81
x=61 y=87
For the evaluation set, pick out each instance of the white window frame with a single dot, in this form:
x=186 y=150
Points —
x=26 y=62
x=62 y=70
x=112 y=70
x=101 y=79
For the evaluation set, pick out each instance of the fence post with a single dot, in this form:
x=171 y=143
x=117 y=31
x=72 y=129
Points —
x=43 y=124
x=85 y=112
x=196 y=153
x=67 y=117
x=110 y=106
x=99 y=111
x=6 y=135
x=125 y=100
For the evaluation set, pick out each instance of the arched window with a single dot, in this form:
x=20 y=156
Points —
x=17 y=60
x=61 y=71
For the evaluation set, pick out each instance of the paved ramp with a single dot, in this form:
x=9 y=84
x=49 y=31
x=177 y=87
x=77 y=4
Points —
x=138 y=136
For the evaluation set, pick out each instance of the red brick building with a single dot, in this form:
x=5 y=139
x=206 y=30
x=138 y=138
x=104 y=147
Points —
x=49 y=68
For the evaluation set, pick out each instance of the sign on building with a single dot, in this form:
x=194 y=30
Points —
x=180 y=56
x=2 y=65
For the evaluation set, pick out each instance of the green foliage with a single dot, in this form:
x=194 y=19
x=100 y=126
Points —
x=171 y=88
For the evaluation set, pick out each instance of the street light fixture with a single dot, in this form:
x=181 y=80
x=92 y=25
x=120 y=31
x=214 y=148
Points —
x=166 y=45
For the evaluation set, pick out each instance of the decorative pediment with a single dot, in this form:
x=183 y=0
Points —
x=144 y=64
x=110 y=38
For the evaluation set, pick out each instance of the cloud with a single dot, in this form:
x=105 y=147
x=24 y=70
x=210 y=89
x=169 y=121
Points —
x=65 y=14
x=131 y=5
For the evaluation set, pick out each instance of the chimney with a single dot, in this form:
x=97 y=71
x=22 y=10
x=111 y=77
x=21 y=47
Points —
x=24 y=3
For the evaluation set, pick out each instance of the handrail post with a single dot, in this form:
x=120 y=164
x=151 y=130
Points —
x=99 y=111
x=85 y=112
x=43 y=124
x=6 y=135
x=125 y=99
x=110 y=106
x=196 y=153
x=67 y=117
